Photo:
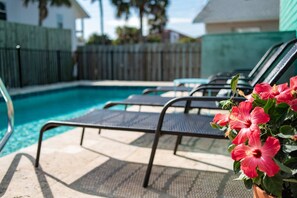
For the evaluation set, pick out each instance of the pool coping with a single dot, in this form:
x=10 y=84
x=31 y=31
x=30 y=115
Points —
x=105 y=83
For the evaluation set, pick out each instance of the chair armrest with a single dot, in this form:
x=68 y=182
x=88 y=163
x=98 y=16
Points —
x=223 y=84
x=223 y=78
x=209 y=88
x=151 y=90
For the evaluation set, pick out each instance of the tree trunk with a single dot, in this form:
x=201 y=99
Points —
x=42 y=11
x=141 y=25
x=101 y=21
x=101 y=17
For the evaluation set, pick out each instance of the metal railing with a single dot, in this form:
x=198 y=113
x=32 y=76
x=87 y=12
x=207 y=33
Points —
x=10 y=114
x=20 y=67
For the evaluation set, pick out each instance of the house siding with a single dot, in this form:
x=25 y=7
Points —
x=288 y=15
x=18 y=13
x=264 y=26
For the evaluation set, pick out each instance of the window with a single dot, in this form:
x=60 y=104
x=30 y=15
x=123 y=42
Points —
x=247 y=29
x=60 y=21
x=2 y=11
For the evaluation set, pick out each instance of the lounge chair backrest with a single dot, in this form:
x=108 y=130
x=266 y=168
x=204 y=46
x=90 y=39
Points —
x=10 y=114
x=264 y=58
x=282 y=66
x=270 y=64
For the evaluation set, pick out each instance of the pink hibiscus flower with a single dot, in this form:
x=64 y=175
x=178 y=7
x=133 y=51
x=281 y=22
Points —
x=281 y=92
x=255 y=156
x=293 y=83
x=221 y=119
x=293 y=90
x=247 y=122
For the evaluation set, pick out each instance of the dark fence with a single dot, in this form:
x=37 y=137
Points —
x=148 y=62
x=25 y=67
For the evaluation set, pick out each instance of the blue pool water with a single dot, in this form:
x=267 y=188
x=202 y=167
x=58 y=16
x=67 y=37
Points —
x=32 y=111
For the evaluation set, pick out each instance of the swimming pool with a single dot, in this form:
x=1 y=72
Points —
x=33 y=110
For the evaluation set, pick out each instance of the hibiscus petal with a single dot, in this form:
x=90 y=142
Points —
x=270 y=147
x=245 y=108
x=248 y=166
x=293 y=82
x=268 y=166
x=282 y=87
x=254 y=139
x=240 y=152
x=242 y=136
x=221 y=119
x=285 y=96
x=258 y=116
x=262 y=87
x=236 y=123
x=240 y=115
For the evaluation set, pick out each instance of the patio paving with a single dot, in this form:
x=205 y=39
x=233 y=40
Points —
x=113 y=164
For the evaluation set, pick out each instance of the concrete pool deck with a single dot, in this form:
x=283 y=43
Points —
x=113 y=165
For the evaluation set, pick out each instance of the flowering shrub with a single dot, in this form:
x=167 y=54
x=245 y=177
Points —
x=263 y=134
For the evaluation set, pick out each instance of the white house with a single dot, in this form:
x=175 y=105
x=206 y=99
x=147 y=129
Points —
x=221 y=16
x=58 y=17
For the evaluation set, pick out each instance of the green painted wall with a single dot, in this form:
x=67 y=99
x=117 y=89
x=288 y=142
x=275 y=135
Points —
x=288 y=15
x=226 y=52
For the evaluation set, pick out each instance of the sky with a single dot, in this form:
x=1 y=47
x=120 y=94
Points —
x=180 y=14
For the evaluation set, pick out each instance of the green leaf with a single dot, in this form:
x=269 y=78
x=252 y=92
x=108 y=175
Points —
x=234 y=82
x=236 y=167
x=273 y=185
x=258 y=101
x=226 y=104
x=283 y=167
x=258 y=179
x=231 y=147
x=291 y=162
x=289 y=148
x=284 y=136
x=248 y=183
x=268 y=105
x=214 y=125
x=291 y=180
x=242 y=176
x=278 y=114
x=287 y=130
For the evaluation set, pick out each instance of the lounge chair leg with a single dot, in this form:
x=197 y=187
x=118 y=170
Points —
x=99 y=131
x=42 y=130
x=178 y=141
x=125 y=107
x=151 y=161
x=38 y=149
x=82 y=136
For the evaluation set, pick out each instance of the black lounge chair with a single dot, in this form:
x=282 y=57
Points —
x=156 y=100
x=184 y=124
x=223 y=77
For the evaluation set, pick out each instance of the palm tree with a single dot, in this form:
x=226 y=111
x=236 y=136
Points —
x=42 y=6
x=123 y=8
x=101 y=16
x=144 y=7
x=158 y=18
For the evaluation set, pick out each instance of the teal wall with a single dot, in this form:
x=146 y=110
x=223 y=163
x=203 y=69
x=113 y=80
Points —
x=288 y=15
x=226 y=52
